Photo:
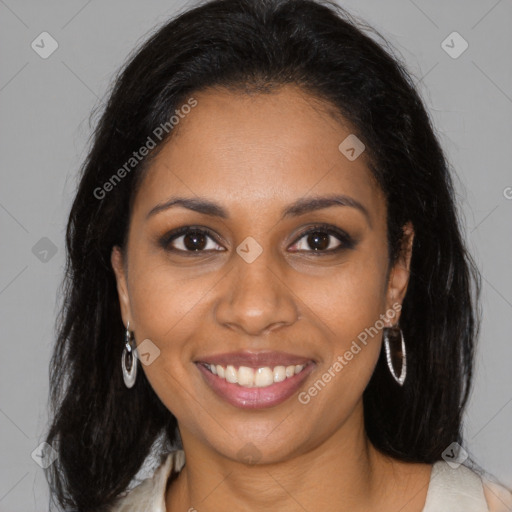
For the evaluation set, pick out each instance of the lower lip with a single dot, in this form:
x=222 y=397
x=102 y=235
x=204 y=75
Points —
x=255 y=398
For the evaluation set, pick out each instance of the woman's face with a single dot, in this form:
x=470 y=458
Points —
x=256 y=291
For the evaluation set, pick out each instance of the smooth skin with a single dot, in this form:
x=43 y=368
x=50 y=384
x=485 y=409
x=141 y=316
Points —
x=255 y=155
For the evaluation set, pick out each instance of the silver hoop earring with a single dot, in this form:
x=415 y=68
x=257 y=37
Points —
x=129 y=360
x=386 y=335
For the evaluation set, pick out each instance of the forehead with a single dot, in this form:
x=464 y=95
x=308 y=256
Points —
x=247 y=148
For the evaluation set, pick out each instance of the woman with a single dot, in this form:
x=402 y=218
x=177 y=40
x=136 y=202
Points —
x=267 y=283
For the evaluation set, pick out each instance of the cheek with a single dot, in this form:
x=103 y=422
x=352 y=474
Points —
x=169 y=308
x=164 y=297
x=350 y=298
x=349 y=305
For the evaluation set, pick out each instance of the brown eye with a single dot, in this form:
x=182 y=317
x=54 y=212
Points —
x=195 y=241
x=320 y=239
x=189 y=240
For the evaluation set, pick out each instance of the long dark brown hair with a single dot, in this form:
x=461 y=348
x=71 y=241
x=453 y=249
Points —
x=102 y=431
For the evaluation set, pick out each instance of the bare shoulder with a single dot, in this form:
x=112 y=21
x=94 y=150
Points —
x=498 y=497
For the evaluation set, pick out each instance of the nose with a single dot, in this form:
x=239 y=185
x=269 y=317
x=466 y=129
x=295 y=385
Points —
x=255 y=298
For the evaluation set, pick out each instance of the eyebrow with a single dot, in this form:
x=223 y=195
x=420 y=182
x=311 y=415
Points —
x=299 y=207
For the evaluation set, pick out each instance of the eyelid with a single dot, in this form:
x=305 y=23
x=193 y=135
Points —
x=174 y=234
x=346 y=241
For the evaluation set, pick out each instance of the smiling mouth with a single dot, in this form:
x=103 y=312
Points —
x=256 y=387
x=254 y=377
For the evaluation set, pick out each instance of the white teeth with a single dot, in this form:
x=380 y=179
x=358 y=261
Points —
x=264 y=377
x=250 y=377
x=231 y=374
x=246 y=376
x=279 y=373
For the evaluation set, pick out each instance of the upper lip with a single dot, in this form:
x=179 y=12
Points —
x=254 y=359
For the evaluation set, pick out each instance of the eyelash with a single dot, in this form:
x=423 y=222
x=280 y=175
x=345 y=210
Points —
x=346 y=241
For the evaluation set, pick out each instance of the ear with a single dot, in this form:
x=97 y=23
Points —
x=400 y=272
x=119 y=266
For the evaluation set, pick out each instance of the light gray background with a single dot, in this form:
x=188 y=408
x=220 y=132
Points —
x=45 y=105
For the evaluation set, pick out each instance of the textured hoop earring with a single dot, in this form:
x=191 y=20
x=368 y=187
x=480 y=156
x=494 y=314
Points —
x=403 y=372
x=129 y=360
